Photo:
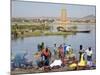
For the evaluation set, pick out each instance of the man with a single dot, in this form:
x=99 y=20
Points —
x=89 y=56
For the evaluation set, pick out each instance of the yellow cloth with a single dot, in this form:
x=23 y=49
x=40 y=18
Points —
x=82 y=62
x=73 y=65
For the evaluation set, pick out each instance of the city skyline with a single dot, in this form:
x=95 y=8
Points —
x=39 y=9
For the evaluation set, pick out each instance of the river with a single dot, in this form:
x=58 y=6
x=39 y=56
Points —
x=29 y=44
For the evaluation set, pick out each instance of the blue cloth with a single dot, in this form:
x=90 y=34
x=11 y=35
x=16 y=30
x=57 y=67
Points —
x=65 y=47
x=47 y=62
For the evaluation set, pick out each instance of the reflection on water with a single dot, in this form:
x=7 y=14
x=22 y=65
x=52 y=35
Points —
x=29 y=44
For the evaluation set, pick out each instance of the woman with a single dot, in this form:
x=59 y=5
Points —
x=81 y=51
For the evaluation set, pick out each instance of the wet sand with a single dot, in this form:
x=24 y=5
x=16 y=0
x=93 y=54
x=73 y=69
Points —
x=45 y=70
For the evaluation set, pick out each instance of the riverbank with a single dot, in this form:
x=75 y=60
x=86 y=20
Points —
x=44 y=33
x=41 y=70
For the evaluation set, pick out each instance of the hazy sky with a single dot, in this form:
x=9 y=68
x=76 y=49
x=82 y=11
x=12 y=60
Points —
x=33 y=9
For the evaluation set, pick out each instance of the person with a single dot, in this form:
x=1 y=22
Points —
x=69 y=51
x=68 y=48
x=55 y=49
x=65 y=49
x=81 y=51
x=82 y=62
x=70 y=55
x=37 y=57
x=46 y=54
x=61 y=53
x=58 y=53
x=89 y=56
x=42 y=54
x=42 y=45
x=38 y=47
x=50 y=54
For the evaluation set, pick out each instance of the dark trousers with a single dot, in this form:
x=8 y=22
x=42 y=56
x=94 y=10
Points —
x=47 y=62
x=89 y=58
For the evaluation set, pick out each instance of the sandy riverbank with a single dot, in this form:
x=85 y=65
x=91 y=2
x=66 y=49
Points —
x=41 y=70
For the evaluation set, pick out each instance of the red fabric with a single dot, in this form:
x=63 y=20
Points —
x=46 y=53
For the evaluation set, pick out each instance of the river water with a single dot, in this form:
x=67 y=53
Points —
x=29 y=44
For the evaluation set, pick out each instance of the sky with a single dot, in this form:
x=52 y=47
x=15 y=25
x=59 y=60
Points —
x=37 y=9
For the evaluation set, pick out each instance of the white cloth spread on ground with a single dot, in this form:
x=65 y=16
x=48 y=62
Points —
x=56 y=63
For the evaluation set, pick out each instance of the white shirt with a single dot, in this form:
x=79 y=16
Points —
x=68 y=48
x=89 y=53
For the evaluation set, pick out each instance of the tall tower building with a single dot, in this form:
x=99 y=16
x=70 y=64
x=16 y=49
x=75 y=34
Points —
x=63 y=17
